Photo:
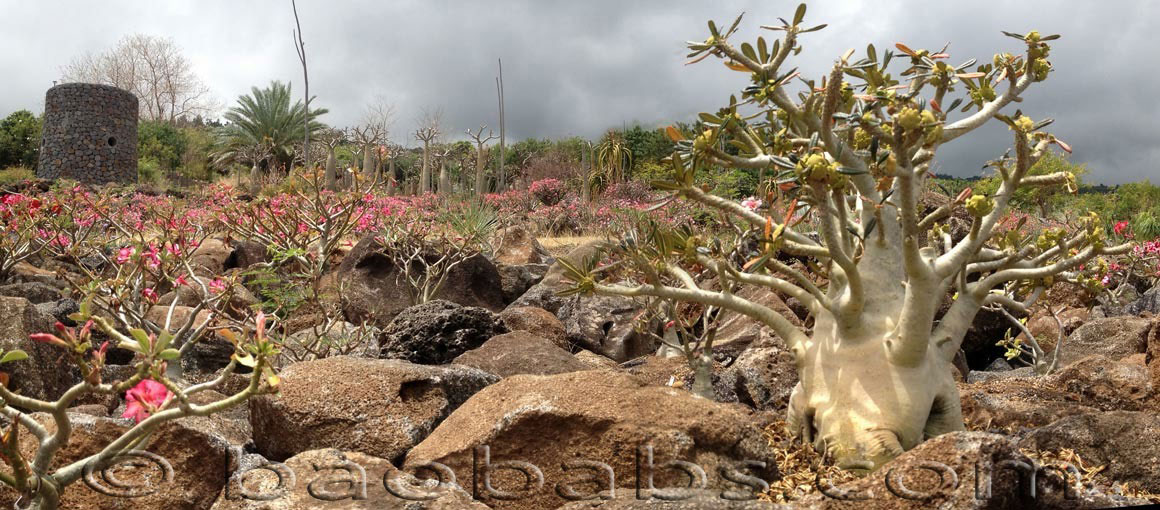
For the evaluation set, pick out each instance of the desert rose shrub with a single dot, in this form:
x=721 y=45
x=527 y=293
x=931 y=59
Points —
x=152 y=398
x=854 y=151
x=548 y=191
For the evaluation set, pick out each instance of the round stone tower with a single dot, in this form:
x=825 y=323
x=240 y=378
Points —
x=89 y=134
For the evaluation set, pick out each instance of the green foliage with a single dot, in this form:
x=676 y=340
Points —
x=19 y=139
x=731 y=183
x=268 y=118
x=1043 y=199
x=148 y=171
x=15 y=174
x=647 y=146
x=1137 y=202
x=196 y=161
x=280 y=295
x=1146 y=224
x=160 y=142
x=613 y=159
x=952 y=186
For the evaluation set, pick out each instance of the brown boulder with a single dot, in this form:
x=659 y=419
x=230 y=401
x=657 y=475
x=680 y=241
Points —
x=436 y=332
x=158 y=314
x=963 y=470
x=246 y=253
x=47 y=373
x=370 y=290
x=1124 y=441
x=1152 y=357
x=1114 y=338
x=1070 y=295
x=1091 y=384
x=515 y=280
x=1046 y=329
x=536 y=321
x=607 y=325
x=736 y=331
x=595 y=361
x=377 y=407
x=598 y=416
x=198 y=459
x=36 y=292
x=211 y=255
x=520 y=352
x=330 y=479
x=659 y=370
x=543 y=294
x=765 y=374
x=516 y=246
x=698 y=500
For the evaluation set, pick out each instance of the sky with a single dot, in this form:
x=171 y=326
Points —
x=581 y=67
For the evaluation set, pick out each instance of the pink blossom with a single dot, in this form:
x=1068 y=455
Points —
x=1121 y=227
x=751 y=203
x=145 y=399
x=124 y=254
x=150 y=294
x=217 y=286
x=152 y=256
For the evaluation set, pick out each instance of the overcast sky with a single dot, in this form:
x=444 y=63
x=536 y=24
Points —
x=580 y=67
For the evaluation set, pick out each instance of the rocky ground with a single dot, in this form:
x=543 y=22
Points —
x=502 y=381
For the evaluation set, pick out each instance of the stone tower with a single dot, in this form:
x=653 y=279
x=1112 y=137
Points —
x=89 y=134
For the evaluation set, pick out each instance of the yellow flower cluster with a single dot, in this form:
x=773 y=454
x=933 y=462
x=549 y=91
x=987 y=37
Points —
x=980 y=205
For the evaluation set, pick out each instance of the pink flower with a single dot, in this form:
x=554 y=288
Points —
x=217 y=286
x=145 y=399
x=150 y=294
x=124 y=254
x=751 y=203
x=152 y=256
x=181 y=281
x=1121 y=227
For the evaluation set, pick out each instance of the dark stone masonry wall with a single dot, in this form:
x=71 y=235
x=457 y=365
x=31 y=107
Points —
x=89 y=134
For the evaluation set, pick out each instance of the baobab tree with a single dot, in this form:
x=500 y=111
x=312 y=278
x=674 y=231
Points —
x=331 y=139
x=254 y=154
x=441 y=156
x=367 y=138
x=856 y=149
x=481 y=157
x=427 y=132
x=390 y=152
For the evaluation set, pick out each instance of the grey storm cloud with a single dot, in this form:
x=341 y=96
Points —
x=579 y=68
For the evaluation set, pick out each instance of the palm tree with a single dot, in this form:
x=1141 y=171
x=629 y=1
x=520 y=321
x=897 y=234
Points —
x=266 y=117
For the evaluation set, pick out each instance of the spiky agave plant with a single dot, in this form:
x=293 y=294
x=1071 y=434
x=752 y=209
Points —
x=856 y=150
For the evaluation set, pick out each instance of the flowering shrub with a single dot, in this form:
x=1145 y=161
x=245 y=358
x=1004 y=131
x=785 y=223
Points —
x=548 y=191
x=630 y=191
x=152 y=398
x=21 y=230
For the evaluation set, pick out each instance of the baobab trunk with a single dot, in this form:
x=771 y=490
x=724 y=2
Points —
x=585 y=175
x=368 y=163
x=480 y=166
x=331 y=170
x=255 y=173
x=391 y=184
x=444 y=182
x=425 y=174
